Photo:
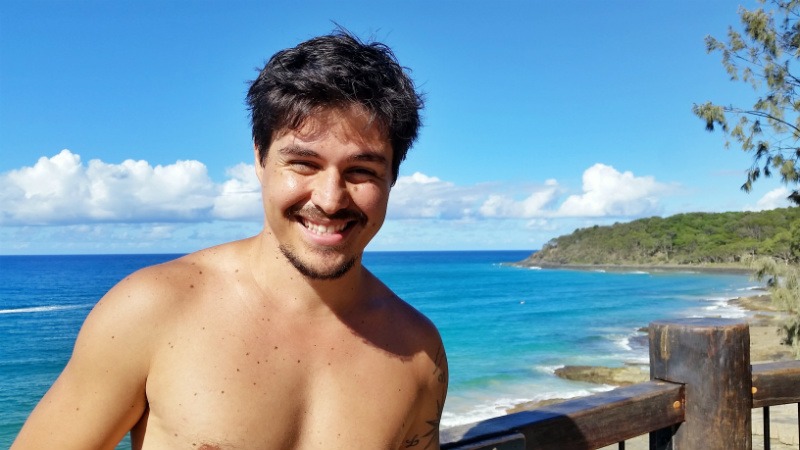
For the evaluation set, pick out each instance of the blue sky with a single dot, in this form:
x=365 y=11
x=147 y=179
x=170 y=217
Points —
x=123 y=127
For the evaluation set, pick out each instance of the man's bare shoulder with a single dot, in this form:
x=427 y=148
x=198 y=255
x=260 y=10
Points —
x=423 y=344
x=430 y=358
x=407 y=330
x=405 y=318
x=156 y=291
x=189 y=272
x=420 y=329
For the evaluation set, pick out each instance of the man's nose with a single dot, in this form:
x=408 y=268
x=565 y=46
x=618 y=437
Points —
x=330 y=192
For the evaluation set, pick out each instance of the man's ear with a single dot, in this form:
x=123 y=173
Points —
x=259 y=167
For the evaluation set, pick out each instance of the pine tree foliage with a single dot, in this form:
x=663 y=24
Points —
x=783 y=282
x=763 y=55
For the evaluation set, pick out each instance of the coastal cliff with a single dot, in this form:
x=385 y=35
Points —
x=724 y=241
x=706 y=242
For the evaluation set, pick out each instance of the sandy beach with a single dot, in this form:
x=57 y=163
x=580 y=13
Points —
x=765 y=346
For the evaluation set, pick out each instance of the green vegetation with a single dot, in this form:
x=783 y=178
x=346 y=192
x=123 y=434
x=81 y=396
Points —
x=766 y=242
x=783 y=282
x=763 y=56
x=732 y=238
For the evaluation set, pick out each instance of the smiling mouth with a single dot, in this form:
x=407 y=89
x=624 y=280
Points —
x=321 y=224
x=323 y=230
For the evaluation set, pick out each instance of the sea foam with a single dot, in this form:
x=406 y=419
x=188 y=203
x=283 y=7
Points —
x=45 y=308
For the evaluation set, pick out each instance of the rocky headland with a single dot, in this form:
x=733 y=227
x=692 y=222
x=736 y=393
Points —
x=766 y=345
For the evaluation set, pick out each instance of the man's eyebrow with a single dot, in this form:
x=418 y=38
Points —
x=304 y=152
x=370 y=156
x=296 y=150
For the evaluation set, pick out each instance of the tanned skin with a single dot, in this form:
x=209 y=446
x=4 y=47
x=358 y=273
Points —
x=280 y=341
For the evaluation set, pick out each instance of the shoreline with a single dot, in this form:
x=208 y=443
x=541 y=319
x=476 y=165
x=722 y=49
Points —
x=700 y=268
x=765 y=346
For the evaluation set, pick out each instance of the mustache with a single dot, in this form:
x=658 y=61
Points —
x=314 y=213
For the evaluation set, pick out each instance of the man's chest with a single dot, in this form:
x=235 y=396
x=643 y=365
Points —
x=273 y=393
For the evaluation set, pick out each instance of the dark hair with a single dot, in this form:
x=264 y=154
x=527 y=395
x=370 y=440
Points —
x=335 y=71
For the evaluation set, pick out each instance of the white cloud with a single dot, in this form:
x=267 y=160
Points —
x=607 y=192
x=63 y=190
x=421 y=196
x=52 y=187
x=775 y=198
x=240 y=196
x=134 y=206
x=121 y=237
x=136 y=191
x=533 y=206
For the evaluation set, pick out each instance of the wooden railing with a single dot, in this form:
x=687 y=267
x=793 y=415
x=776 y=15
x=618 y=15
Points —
x=701 y=394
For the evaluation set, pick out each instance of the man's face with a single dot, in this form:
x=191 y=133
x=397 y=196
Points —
x=325 y=189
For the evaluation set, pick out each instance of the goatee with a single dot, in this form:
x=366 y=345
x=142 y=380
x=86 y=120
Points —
x=312 y=273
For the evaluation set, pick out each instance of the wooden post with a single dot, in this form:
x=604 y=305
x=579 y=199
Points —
x=711 y=357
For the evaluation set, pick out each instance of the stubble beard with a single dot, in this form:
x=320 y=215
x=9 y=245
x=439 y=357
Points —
x=288 y=251
x=312 y=273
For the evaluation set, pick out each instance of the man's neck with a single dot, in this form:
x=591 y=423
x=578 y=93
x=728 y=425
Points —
x=283 y=285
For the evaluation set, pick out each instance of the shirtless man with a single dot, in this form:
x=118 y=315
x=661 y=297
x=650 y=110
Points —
x=283 y=340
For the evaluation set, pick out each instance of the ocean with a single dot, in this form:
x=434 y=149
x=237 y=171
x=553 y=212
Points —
x=506 y=329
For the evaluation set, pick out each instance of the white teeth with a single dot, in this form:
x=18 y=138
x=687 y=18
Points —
x=322 y=229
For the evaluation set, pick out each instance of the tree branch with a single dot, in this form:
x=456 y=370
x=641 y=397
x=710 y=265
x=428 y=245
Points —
x=763 y=114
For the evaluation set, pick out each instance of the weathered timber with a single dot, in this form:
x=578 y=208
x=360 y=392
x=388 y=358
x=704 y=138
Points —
x=584 y=423
x=711 y=357
x=776 y=383
x=512 y=441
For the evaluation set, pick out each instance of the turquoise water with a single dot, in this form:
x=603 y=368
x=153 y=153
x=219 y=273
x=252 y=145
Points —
x=505 y=329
